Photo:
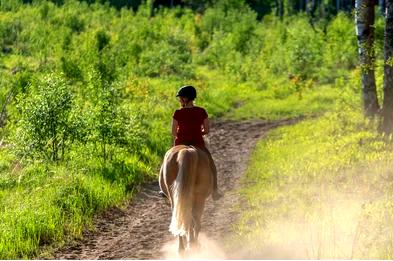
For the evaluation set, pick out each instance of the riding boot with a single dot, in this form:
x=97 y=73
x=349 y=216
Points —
x=216 y=194
x=162 y=194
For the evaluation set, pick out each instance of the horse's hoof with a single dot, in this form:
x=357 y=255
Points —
x=182 y=254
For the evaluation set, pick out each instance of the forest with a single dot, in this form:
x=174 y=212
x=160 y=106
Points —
x=87 y=93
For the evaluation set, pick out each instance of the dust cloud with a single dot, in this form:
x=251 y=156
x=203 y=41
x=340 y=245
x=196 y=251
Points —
x=330 y=232
x=208 y=249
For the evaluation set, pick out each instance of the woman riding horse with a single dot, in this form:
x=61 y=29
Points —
x=188 y=174
x=189 y=124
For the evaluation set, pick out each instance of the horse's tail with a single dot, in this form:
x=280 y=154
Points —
x=182 y=192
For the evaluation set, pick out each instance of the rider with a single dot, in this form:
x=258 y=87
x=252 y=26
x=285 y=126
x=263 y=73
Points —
x=189 y=124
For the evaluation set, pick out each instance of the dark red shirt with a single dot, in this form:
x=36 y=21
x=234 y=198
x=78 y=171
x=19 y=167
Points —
x=190 y=121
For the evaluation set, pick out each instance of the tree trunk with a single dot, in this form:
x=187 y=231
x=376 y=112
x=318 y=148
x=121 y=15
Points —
x=281 y=8
x=277 y=5
x=365 y=32
x=387 y=110
x=332 y=7
x=314 y=6
x=151 y=4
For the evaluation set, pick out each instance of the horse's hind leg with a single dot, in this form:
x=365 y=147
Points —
x=197 y=212
x=181 y=246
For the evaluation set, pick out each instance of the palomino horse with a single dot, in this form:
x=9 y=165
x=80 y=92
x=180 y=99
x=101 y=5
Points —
x=187 y=180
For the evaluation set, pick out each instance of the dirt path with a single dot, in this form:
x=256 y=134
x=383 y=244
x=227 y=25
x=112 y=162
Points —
x=141 y=231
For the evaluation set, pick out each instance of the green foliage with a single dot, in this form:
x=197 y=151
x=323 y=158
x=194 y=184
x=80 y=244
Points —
x=94 y=91
x=341 y=48
x=45 y=124
x=168 y=57
x=71 y=69
x=75 y=24
x=103 y=40
x=304 y=47
x=108 y=123
x=222 y=27
x=49 y=207
x=9 y=31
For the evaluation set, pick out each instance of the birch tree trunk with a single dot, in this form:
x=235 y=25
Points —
x=387 y=110
x=365 y=33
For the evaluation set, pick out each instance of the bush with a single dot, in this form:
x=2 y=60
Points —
x=168 y=57
x=341 y=48
x=45 y=126
x=75 y=23
x=304 y=47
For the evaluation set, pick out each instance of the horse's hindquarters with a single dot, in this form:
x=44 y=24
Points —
x=186 y=177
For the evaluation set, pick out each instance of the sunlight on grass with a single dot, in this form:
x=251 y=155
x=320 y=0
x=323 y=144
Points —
x=311 y=189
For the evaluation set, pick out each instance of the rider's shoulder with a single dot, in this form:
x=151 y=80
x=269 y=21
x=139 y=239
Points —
x=199 y=108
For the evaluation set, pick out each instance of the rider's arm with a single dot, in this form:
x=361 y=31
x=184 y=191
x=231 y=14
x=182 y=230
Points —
x=175 y=125
x=205 y=126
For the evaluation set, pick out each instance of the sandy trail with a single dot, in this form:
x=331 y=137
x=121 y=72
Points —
x=141 y=231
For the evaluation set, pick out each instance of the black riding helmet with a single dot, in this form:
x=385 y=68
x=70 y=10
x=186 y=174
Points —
x=187 y=91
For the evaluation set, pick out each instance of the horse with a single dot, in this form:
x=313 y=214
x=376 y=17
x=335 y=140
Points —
x=186 y=179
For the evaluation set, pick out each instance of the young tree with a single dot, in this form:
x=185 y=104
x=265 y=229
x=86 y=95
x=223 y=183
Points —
x=364 y=19
x=45 y=125
x=387 y=111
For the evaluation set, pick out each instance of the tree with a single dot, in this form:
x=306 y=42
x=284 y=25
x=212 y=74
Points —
x=387 y=110
x=364 y=19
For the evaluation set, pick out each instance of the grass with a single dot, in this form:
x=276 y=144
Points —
x=320 y=189
x=41 y=205
x=265 y=106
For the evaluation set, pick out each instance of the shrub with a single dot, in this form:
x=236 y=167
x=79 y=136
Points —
x=166 y=57
x=45 y=125
x=75 y=23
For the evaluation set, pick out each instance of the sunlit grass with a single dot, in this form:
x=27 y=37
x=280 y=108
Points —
x=320 y=189
x=39 y=210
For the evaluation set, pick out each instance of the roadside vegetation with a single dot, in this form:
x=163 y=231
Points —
x=87 y=95
x=321 y=189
